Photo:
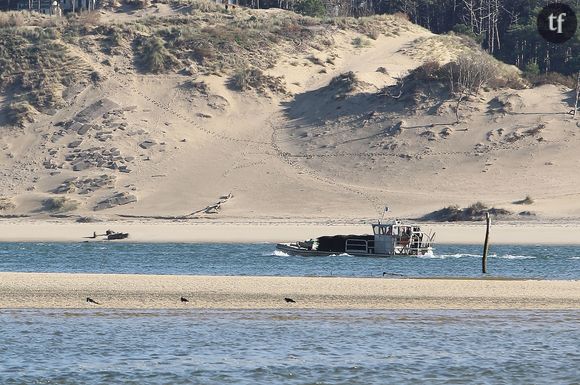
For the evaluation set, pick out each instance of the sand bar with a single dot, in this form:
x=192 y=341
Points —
x=58 y=290
x=449 y=233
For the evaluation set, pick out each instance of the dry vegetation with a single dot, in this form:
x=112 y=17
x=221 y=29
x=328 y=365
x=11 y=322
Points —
x=344 y=84
x=35 y=66
x=526 y=201
x=432 y=83
x=374 y=26
x=210 y=40
x=156 y=58
x=59 y=204
x=6 y=204
x=475 y=212
x=200 y=5
x=360 y=42
x=552 y=78
x=254 y=79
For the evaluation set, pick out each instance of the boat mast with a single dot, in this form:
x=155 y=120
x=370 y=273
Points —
x=383 y=214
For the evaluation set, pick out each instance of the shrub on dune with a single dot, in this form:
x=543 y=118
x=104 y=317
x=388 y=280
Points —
x=156 y=58
x=254 y=79
x=474 y=212
x=59 y=204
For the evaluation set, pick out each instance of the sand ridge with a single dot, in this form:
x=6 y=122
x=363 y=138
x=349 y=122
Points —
x=58 y=290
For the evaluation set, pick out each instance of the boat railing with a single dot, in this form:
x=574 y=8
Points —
x=356 y=246
x=413 y=244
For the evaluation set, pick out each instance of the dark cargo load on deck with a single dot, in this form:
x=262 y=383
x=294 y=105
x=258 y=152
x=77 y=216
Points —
x=337 y=243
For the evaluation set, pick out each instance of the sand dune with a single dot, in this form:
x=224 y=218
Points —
x=36 y=290
x=308 y=154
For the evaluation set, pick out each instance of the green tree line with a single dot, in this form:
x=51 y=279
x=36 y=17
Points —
x=505 y=28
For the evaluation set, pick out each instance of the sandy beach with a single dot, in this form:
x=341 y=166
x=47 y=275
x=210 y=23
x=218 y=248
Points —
x=56 y=290
x=256 y=231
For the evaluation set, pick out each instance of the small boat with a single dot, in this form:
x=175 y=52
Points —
x=113 y=235
x=388 y=239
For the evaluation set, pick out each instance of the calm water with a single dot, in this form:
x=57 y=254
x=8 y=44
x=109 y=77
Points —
x=262 y=259
x=289 y=347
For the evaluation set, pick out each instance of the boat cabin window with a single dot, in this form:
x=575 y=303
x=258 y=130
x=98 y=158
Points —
x=405 y=231
x=382 y=230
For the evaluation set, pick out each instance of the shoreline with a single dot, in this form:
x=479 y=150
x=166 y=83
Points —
x=263 y=232
x=133 y=291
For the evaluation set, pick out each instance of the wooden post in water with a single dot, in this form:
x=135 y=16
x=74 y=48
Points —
x=577 y=96
x=485 y=245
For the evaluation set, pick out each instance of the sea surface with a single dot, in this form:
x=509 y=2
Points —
x=541 y=262
x=289 y=347
x=295 y=346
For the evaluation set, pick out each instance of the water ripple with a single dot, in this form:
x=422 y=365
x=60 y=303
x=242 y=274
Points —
x=289 y=347
x=549 y=262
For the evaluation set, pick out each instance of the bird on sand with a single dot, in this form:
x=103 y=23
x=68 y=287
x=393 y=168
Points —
x=289 y=300
x=183 y=299
x=90 y=300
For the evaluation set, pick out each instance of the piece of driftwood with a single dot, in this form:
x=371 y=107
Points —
x=213 y=208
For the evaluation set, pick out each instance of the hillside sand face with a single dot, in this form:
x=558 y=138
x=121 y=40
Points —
x=47 y=290
x=175 y=147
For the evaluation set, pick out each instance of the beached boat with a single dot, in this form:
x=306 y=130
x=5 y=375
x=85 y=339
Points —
x=114 y=235
x=388 y=239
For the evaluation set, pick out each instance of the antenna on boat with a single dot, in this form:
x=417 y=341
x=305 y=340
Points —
x=384 y=211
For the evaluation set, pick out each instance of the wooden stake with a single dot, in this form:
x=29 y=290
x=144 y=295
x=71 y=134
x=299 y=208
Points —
x=577 y=96
x=485 y=245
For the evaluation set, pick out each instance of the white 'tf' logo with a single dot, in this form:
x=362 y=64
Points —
x=559 y=19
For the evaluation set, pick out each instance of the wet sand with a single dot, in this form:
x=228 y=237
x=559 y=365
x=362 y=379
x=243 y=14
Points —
x=58 y=290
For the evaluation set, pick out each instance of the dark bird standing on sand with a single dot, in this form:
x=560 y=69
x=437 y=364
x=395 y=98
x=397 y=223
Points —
x=90 y=300
x=183 y=299
x=94 y=236
x=289 y=300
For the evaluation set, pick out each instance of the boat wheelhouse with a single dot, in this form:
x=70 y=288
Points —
x=388 y=239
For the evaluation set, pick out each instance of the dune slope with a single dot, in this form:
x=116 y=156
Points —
x=302 y=141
